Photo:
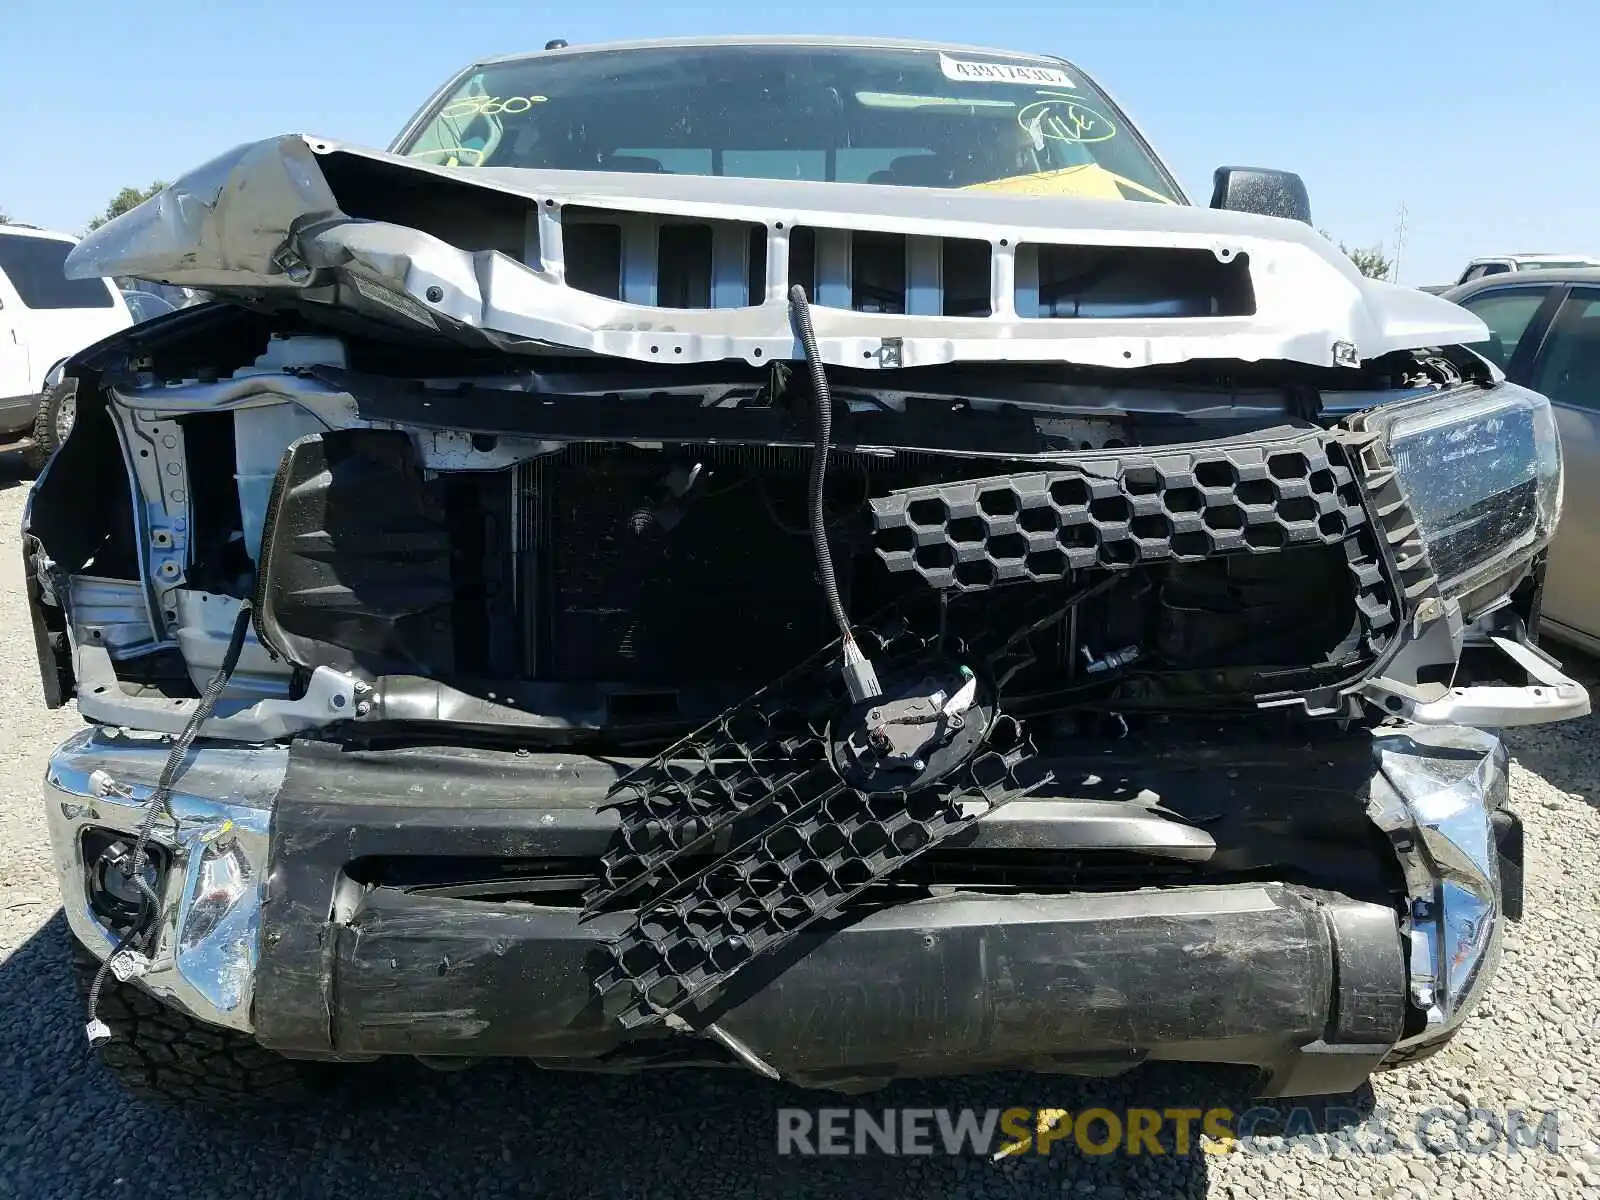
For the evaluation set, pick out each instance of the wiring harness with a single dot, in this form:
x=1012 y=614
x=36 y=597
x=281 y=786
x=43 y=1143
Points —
x=134 y=950
x=859 y=676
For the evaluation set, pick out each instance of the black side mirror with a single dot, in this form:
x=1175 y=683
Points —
x=1263 y=192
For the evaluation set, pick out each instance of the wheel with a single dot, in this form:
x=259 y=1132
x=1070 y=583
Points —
x=58 y=409
x=165 y=1055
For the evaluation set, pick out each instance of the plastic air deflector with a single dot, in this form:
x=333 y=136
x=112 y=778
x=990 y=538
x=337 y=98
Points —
x=356 y=553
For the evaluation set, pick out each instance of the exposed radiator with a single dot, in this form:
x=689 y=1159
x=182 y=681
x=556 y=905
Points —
x=617 y=582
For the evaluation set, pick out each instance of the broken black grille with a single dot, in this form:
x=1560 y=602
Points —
x=1118 y=512
x=700 y=931
x=803 y=842
x=771 y=751
x=1133 y=508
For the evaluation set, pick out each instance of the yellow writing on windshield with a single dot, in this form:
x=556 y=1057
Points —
x=467 y=107
x=1063 y=118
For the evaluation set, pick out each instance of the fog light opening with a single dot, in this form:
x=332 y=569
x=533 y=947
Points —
x=114 y=894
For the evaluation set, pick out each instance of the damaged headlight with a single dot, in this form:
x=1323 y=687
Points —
x=1483 y=478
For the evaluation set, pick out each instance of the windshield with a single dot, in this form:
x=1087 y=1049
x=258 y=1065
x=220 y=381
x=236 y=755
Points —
x=920 y=118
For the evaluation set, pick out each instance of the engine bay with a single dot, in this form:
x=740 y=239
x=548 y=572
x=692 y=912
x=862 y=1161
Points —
x=625 y=592
x=589 y=557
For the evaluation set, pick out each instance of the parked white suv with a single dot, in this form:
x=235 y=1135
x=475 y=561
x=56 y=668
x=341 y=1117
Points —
x=1478 y=268
x=45 y=318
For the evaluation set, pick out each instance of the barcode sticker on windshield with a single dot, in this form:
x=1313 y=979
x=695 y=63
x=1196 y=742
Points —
x=970 y=71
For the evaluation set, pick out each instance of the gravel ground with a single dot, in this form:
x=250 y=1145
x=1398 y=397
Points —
x=397 y=1129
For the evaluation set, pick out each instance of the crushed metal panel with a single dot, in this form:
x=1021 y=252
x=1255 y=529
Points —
x=267 y=218
x=223 y=224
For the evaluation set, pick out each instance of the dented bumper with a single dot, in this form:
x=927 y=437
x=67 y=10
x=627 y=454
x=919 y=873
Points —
x=1306 y=986
x=273 y=934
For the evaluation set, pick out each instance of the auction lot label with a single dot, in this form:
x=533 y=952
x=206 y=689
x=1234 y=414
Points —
x=967 y=70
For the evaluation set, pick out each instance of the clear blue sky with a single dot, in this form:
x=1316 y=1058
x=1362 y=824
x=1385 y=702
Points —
x=1481 y=117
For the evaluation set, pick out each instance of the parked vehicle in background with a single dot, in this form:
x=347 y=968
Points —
x=45 y=318
x=145 y=305
x=1544 y=333
x=769 y=575
x=1482 y=268
x=171 y=294
x=1505 y=264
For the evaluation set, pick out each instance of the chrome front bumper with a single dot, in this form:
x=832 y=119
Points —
x=216 y=834
x=1434 y=791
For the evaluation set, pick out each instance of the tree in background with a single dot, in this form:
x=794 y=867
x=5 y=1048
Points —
x=128 y=197
x=1371 y=261
x=4 y=220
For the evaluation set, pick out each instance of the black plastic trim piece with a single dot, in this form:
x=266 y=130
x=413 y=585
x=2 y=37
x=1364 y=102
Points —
x=1118 y=511
x=356 y=558
x=1507 y=828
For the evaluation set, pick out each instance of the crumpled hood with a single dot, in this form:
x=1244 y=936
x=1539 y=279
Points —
x=491 y=255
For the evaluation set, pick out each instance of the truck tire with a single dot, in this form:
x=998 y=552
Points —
x=164 y=1055
x=58 y=408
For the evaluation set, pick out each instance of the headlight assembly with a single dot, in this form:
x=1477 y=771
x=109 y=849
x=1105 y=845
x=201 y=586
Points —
x=1483 y=478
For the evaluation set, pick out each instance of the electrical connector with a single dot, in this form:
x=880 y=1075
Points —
x=1115 y=661
x=102 y=785
x=860 y=679
x=98 y=1032
x=128 y=964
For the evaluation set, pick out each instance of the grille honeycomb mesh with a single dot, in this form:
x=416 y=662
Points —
x=1119 y=511
x=701 y=930
x=759 y=778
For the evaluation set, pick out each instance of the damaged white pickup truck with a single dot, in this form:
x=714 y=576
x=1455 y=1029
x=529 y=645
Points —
x=802 y=555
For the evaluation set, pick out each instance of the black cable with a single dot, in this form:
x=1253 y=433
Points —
x=801 y=308
x=145 y=931
x=860 y=679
